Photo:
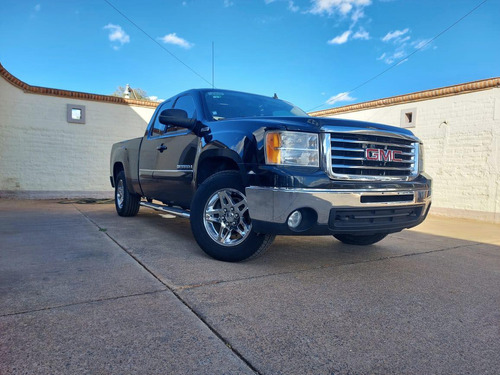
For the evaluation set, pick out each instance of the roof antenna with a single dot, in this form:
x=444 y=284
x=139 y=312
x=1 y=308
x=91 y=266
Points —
x=275 y=96
x=213 y=66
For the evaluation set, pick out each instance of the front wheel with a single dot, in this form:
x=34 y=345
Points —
x=220 y=220
x=357 y=239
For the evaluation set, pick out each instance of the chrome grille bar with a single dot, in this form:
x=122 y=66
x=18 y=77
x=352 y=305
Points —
x=358 y=158
x=363 y=150
x=346 y=156
x=371 y=143
x=366 y=167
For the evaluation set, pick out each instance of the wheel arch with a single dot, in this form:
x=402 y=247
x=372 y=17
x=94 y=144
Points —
x=213 y=161
x=120 y=162
x=117 y=168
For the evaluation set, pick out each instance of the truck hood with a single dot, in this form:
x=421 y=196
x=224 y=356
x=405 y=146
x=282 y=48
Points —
x=315 y=124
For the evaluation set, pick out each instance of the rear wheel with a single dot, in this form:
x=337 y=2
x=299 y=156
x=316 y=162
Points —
x=363 y=240
x=220 y=220
x=126 y=204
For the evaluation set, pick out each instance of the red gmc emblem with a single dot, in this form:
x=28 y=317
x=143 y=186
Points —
x=377 y=154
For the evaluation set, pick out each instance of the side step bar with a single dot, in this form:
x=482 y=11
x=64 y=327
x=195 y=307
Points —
x=171 y=210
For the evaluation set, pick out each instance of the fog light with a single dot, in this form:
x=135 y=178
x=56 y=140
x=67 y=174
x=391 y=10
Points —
x=294 y=219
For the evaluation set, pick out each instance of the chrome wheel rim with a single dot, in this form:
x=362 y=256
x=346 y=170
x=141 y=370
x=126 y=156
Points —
x=226 y=217
x=120 y=194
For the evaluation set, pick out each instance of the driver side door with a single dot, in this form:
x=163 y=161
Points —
x=174 y=165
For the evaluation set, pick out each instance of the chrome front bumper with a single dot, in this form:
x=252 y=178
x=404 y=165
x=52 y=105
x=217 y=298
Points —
x=274 y=205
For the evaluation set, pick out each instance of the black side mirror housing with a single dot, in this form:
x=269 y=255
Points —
x=177 y=117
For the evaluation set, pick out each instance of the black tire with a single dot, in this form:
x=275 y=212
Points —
x=220 y=220
x=362 y=240
x=126 y=204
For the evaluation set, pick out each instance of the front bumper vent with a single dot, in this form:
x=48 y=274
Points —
x=349 y=220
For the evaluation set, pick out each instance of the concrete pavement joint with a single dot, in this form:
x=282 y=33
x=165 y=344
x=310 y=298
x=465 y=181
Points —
x=212 y=329
x=83 y=303
x=326 y=266
x=227 y=343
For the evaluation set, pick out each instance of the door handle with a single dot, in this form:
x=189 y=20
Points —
x=161 y=147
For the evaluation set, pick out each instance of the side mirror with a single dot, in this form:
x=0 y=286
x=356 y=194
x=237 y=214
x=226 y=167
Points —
x=177 y=117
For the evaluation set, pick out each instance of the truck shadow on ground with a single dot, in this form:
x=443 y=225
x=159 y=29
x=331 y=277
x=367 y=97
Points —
x=165 y=245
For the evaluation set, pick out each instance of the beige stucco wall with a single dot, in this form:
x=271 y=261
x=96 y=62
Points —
x=461 y=135
x=44 y=156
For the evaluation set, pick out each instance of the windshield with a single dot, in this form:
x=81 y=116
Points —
x=229 y=104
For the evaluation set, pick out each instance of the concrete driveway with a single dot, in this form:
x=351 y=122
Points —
x=85 y=291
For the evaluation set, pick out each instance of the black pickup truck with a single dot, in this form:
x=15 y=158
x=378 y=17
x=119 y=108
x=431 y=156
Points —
x=246 y=167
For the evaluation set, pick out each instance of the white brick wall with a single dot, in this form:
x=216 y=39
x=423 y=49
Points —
x=461 y=136
x=42 y=155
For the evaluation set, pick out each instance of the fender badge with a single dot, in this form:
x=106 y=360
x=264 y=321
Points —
x=184 y=166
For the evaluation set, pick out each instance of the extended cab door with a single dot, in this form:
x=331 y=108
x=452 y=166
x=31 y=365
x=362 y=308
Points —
x=149 y=152
x=169 y=154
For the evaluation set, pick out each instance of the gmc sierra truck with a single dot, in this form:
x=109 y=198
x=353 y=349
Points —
x=244 y=168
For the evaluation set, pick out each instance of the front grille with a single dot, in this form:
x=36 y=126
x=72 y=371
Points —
x=374 y=218
x=349 y=161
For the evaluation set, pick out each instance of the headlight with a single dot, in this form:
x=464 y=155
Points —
x=420 y=158
x=292 y=148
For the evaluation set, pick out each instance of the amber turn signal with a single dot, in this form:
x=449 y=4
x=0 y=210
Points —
x=273 y=144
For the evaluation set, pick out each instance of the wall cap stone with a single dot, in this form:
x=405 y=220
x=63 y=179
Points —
x=72 y=94
x=464 y=88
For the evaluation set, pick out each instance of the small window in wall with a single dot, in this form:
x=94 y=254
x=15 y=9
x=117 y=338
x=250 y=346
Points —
x=408 y=118
x=75 y=113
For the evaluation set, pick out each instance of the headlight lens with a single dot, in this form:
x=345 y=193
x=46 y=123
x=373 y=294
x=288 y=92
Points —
x=292 y=148
x=420 y=158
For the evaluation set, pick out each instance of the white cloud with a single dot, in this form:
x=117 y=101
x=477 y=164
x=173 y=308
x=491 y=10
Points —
x=361 y=34
x=178 y=41
x=36 y=9
x=343 y=7
x=340 y=39
x=400 y=39
x=228 y=3
x=396 y=34
x=421 y=43
x=357 y=15
x=292 y=7
x=398 y=54
x=402 y=44
x=155 y=99
x=117 y=34
x=390 y=58
x=342 y=97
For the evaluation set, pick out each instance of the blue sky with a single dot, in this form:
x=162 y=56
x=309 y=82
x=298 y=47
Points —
x=307 y=51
